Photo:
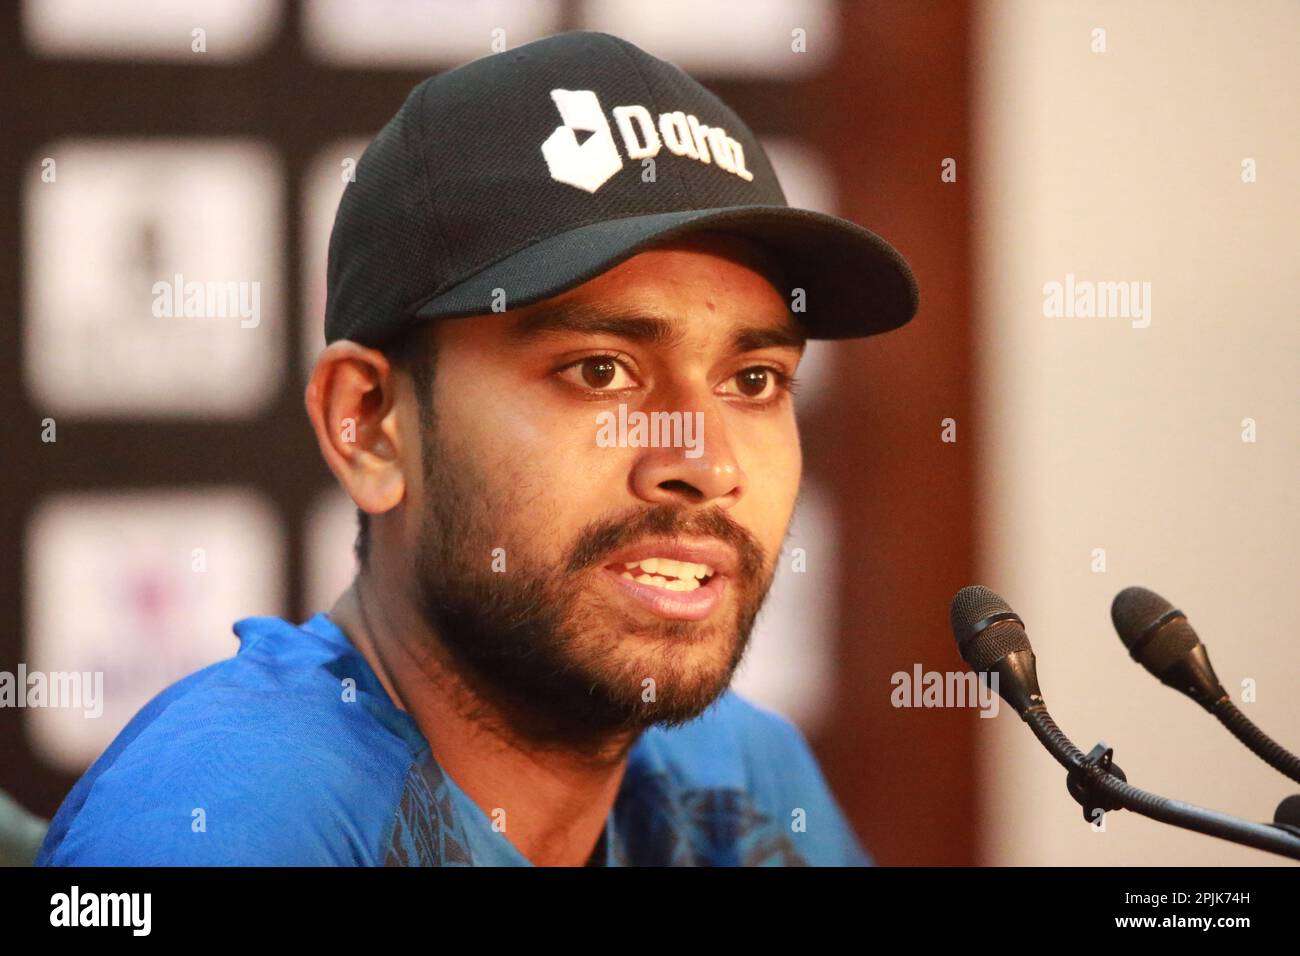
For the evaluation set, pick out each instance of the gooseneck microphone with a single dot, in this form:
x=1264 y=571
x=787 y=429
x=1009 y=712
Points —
x=992 y=639
x=1159 y=637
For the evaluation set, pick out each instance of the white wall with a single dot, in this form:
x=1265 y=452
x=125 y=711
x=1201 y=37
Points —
x=1126 y=165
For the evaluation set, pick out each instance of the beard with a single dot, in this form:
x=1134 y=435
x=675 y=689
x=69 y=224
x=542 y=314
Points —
x=546 y=650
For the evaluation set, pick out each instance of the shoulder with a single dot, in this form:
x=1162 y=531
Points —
x=269 y=758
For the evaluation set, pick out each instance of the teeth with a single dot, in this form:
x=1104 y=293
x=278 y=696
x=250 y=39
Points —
x=667 y=567
x=655 y=580
x=675 y=568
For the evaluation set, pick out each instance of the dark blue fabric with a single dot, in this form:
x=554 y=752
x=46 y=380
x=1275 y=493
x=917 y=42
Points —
x=291 y=753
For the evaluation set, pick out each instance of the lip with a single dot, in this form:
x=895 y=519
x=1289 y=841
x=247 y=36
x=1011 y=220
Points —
x=676 y=605
x=716 y=555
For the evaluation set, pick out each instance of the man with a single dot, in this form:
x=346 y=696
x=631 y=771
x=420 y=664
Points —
x=541 y=250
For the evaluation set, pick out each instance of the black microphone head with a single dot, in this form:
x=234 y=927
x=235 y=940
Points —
x=991 y=638
x=1155 y=632
x=1159 y=638
x=985 y=627
x=1134 y=610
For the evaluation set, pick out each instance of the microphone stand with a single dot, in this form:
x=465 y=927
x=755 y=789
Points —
x=1095 y=781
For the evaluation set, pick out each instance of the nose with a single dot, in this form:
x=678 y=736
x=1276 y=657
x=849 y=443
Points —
x=706 y=473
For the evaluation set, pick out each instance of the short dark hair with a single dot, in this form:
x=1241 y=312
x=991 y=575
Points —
x=415 y=351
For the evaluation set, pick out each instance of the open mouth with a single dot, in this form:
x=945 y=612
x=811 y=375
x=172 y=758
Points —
x=669 y=588
x=666 y=573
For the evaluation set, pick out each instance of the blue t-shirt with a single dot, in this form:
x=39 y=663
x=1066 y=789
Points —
x=292 y=753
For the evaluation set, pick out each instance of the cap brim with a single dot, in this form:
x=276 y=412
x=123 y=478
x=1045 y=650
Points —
x=855 y=284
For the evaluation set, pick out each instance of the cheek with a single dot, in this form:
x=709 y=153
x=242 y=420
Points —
x=573 y=482
x=536 y=474
x=774 y=470
x=487 y=424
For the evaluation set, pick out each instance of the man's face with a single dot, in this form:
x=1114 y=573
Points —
x=535 y=511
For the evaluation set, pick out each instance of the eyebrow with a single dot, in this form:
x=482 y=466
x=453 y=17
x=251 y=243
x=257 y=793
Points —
x=641 y=326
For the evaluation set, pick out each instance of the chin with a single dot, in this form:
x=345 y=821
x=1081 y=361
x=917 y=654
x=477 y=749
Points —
x=687 y=677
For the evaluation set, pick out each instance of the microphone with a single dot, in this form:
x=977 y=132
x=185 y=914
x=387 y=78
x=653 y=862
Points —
x=1159 y=638
x=1287 y=814
x=992 y=637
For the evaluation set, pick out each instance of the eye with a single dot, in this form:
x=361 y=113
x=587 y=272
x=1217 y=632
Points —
x=762 y=383
x=603 y=373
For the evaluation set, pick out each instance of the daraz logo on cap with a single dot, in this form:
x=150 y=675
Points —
x=590 y=165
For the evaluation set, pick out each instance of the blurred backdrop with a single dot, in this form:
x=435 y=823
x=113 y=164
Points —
x=161 y=480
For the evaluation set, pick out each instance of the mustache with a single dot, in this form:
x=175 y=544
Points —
x=601 y=538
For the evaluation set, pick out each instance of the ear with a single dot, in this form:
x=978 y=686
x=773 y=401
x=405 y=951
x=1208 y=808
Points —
x=351 y=400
